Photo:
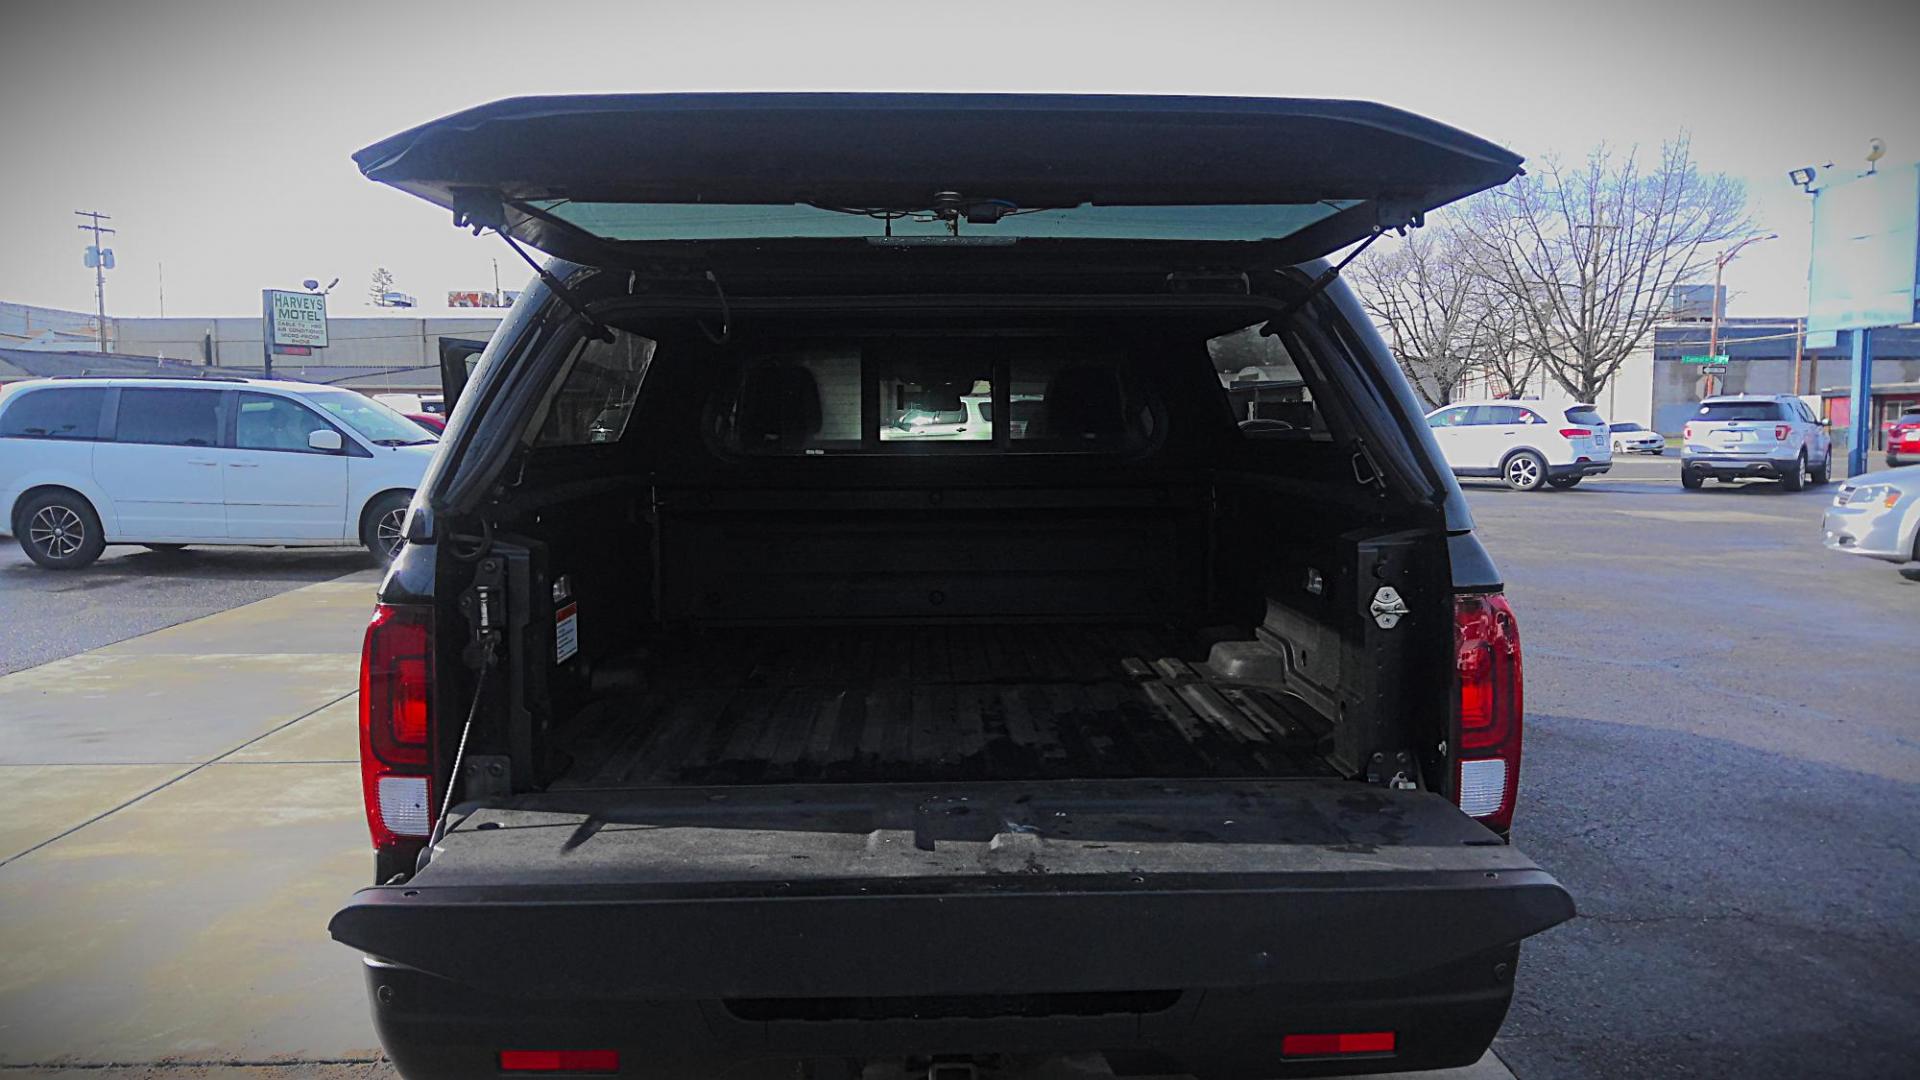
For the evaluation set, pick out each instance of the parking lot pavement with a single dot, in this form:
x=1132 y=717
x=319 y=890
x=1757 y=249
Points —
x=1723 y=767
x=182 y=811
x=50 y=614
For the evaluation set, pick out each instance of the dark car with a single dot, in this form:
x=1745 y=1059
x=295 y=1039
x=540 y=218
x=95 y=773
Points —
x=708 y=729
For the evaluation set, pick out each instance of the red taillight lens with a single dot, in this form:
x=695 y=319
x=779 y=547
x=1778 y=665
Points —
x=1575 y=432
x=1331 y=1044
x=1488 y=685
x=600 y=1061
x=396 y=686
x=396 y=677
x=1781 y=431
x=1686 y=431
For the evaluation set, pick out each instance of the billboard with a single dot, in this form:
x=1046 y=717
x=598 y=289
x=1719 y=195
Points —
x=477 y=299
x=1866 y=253
x=295 y=318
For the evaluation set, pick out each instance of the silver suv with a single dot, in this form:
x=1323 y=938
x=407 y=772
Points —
x=1773 y=437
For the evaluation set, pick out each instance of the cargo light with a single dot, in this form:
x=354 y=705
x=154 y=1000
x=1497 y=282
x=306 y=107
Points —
x=575 y=1061
x=396 y=719
x=1489 y=705
x=1336 y=1044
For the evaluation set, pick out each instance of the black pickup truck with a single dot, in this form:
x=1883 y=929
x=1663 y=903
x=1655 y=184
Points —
x=943 y=583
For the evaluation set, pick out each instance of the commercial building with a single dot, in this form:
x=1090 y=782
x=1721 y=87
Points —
x=1764 y=356
x=382 y=353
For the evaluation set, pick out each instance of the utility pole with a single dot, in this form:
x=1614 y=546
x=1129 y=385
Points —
x=99 y=267
x=1719 y=265
x=1799 y=346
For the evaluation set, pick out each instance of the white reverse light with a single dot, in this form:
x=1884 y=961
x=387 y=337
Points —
x=1483 y=783
x=403 y=804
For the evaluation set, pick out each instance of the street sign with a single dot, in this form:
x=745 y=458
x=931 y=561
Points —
x=1717 y=358
x=296 y=318
x=1713 y=369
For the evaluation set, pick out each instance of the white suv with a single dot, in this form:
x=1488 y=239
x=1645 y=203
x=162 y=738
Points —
x=1773 y=437
x=168 y=462
x=1524 y=443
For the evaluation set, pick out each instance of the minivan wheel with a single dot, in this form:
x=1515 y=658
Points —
x=1525 y=471
x=381 y=526
x=1691 y=480
x=1822 y=473
x=60 y=531
x=1797 y=478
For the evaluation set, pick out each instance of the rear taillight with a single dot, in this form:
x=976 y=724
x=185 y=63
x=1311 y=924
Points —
x=1781 y=431
x=572 y=1061
x=1335 y=1044
x=396 y=719
x=1576 y=433
x=1686 y=432
x=1488 y=703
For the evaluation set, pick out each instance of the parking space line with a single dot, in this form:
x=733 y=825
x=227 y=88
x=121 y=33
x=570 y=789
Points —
x=162 y=787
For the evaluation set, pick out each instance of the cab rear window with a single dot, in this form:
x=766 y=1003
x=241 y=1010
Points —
x=899 y=396
x=1741 y=410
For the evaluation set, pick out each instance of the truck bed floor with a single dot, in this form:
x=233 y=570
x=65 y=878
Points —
x=891 y=704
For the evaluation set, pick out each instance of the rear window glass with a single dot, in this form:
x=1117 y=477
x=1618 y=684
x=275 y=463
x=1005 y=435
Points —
x=916 y=395
x=1590 y=417
x=1510 y=414
x=169 y=417
x=1741 y=410
x=1269 y=397
x=55 y=414
x=594 y=400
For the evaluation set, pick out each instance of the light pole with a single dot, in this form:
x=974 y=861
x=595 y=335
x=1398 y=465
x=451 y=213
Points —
x=1719 y=265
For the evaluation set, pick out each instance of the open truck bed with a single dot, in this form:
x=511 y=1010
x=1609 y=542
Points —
x=948 y=703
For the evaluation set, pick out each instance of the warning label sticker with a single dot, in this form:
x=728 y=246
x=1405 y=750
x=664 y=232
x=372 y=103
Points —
x=566 y=633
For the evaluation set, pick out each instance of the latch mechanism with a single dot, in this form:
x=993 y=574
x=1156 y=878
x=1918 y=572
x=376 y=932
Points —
x=1388 y=607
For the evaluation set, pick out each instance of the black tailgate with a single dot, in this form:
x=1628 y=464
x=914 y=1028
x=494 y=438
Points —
x=856 y=890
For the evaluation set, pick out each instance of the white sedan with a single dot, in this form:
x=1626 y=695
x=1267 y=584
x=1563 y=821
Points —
x=1633 y=439
x=1877 y=515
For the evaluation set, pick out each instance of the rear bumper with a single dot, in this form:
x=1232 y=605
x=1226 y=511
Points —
x=1444 y=1017
x=1582 y=468
x=1735 y=467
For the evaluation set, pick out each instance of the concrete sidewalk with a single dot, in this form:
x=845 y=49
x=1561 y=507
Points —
x=180 y=813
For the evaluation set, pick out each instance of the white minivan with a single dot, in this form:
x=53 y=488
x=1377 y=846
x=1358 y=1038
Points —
x=87 y=462
x=1524 y=443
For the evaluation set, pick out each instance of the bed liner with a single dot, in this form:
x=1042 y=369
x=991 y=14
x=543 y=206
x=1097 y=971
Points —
x=946 y=703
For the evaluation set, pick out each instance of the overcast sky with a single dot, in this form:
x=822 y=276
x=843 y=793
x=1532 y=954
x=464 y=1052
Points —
x=217 y=134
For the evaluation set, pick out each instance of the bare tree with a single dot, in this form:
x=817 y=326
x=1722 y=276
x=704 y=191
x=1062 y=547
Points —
x=1421 y=292
x=1503 y=348
x=380 y=285
x=1588 y=255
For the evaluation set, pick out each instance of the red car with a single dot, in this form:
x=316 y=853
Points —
x=1903 y=439
x=431 y=421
